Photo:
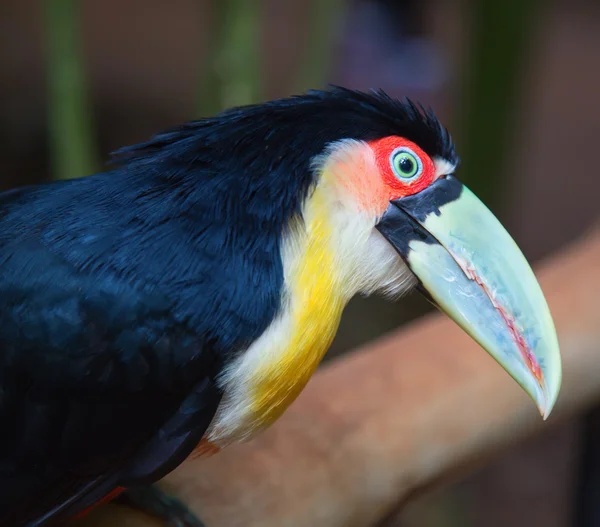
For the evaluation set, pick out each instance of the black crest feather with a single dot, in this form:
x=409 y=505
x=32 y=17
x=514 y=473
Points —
x=307 y=122
x=262 y=153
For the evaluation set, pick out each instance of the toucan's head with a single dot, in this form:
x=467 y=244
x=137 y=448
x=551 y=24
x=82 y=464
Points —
x=360 y=193
x=390 y=179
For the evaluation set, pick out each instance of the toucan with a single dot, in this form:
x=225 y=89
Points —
x=180 y=300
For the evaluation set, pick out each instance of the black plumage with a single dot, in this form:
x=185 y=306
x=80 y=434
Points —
x=123 y=294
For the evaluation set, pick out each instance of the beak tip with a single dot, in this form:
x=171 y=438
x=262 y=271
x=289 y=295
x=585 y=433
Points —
x=544 y=412
x=543 y=406
x=548 y=400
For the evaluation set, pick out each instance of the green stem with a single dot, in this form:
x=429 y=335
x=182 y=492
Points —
x=500 y=45
x=70 y=123
x=233 y=73
x=319 y=46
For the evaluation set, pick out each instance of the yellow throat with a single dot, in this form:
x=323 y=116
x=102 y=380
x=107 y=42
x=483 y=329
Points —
x=327 y=258
x=316 y=301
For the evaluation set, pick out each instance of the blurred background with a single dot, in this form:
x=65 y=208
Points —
x=517 y=83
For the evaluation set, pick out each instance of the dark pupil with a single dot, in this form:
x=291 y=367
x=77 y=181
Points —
x=407 y=165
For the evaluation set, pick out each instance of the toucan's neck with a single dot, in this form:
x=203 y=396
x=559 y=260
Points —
x=264 y=381
x=328 y=256
x=335 y=221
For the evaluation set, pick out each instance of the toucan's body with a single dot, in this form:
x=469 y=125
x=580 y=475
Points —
x=186 y=296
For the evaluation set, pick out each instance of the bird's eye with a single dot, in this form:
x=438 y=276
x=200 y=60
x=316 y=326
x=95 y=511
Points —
x=407 y=165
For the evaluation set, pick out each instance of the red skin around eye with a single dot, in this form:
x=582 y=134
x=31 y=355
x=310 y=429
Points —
x=396 y=188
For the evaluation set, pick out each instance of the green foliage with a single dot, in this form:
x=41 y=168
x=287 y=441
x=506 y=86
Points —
x=232 y=73
x=319 y=44
x=72 y=141
x=501 y=39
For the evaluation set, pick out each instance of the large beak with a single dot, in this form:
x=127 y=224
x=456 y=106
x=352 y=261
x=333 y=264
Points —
x=471 y=268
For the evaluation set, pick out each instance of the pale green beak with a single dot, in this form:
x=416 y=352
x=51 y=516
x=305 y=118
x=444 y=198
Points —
x=472 y=270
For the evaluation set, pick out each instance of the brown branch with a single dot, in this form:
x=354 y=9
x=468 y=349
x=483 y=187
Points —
x=416 y=407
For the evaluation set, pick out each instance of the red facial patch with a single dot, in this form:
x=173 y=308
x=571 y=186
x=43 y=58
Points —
x=383 y=149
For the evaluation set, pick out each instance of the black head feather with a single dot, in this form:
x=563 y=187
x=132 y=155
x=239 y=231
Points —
x=262 y=153
x=198 y=211
x=300 y=126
